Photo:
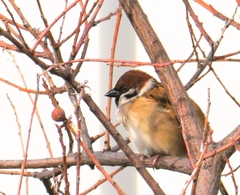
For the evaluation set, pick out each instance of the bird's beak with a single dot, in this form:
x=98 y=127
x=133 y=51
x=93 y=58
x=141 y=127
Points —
x=112 y=93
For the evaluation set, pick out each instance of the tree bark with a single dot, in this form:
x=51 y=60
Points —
x=210 y=171
x=178 y=97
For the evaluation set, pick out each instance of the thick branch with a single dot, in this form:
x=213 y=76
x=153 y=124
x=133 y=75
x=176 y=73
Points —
x=168 y=75
x=230 y=138
x=214 y=165
x=105 y=158
x=64 y=73
x=190 y=123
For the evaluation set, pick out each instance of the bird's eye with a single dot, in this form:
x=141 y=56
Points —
x=124 y=88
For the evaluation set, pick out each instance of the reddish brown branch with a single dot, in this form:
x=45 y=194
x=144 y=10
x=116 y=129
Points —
x=211 y=54
x=109 y=158
x=197 y=22
x=14 y=23
x=167 y=74
x=7 y=20
x=99 y=182
x=110 y=77
x=87 y=29
x=51 y=25
x=56 y=52
x=224 y=87
x=101 y=169
x=232 y=174
x=28 y=140
x=216 y=13
x=64 y=161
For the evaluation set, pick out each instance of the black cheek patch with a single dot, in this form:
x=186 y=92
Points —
x=128 y=96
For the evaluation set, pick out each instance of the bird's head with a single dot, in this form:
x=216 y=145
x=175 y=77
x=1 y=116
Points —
x=131 y=85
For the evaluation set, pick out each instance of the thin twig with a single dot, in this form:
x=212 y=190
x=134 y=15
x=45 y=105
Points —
x=87 y=28
x=232 y=175
x=28 y=139
x=229 y=173
x=15 y=24
x=108 y=17
x=64 y=162
x=210 y=56
x=80 y=22
x=216 y=13
x=62 y=24
x=197 y=22
x=32 y=101
x=224 y=87
x=101 y=181
x=101 y=169
x=18 y=122
x=110 y=73
x=51 y=25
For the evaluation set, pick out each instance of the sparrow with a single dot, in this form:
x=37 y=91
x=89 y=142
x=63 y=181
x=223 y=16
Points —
x=148 y=116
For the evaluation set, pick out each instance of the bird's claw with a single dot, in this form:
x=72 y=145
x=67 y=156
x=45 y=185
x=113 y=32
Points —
x=155 y=159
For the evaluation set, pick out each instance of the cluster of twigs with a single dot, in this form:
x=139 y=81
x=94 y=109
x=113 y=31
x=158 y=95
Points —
x=46 y=47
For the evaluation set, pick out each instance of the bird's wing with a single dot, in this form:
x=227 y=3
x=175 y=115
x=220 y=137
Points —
x=159 y=95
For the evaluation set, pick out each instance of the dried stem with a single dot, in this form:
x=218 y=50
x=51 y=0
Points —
x=28 y=140
x=225 y=88
x=64 y=161
x=216 y=13
x=101 y=181
x=101 y=169
x=43 y=34
x=210 y=57
x=232 y=174
x=110 y=77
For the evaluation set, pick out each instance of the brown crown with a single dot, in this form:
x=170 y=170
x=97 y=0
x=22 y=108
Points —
x=133 y=79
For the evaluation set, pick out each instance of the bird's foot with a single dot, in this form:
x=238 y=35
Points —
x=142 y=157
x=155 y=159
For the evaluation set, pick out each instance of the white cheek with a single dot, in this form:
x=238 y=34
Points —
x=148 y=86
x=123 y=100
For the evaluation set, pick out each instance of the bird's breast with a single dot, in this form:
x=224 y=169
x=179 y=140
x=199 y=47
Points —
x=151 y=128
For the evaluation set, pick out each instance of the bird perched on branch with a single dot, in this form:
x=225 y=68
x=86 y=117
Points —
x=148 y=116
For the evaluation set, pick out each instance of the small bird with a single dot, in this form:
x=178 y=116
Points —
x=148 y=116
